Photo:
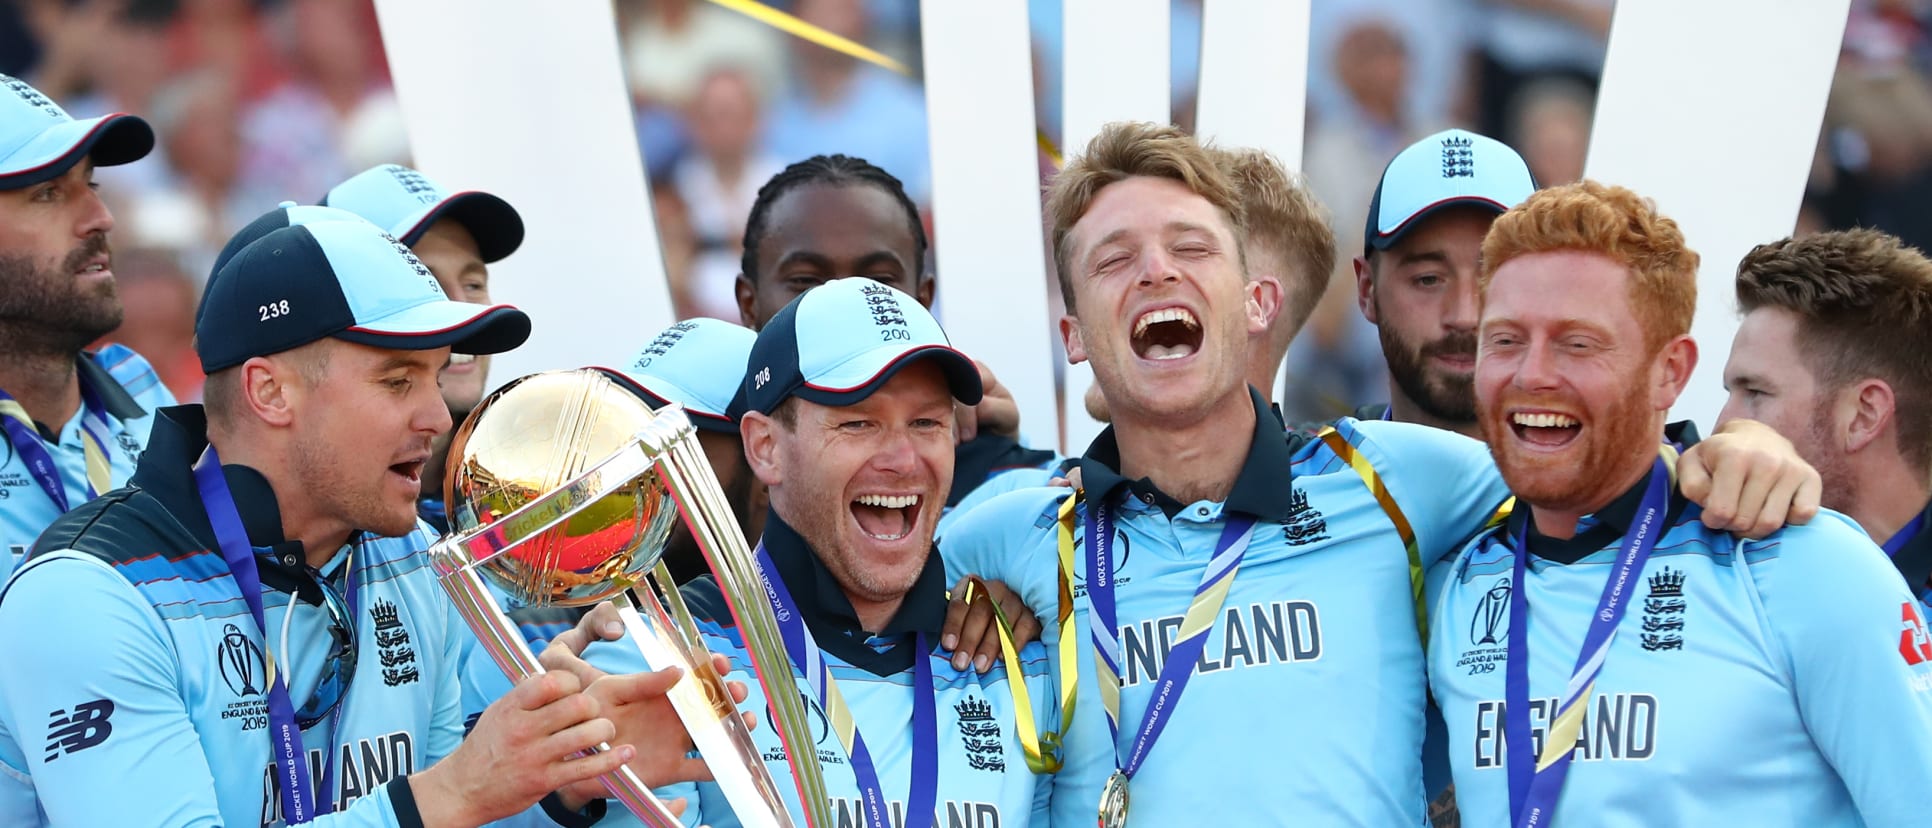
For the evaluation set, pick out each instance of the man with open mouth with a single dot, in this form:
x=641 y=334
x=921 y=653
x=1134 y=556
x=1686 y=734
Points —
x=1603 y=652
x=1212 y=563
x=457 y=236
x=74 y=421
x=847 y=417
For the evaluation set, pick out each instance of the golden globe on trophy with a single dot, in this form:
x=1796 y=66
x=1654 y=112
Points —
x=562 y=491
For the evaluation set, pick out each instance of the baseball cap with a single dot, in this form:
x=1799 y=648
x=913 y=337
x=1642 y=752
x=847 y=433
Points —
x=406 y=202
x=287 y=214
x=698 y=364
x=39 y=141
x=342 y=279
x=1454 y=167
x=837 y=343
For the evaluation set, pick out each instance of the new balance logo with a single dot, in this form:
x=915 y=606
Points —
x=86 y=727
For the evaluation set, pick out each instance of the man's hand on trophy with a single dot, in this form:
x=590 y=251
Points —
x=970 y=631
x=637 y=703
x=531 y=742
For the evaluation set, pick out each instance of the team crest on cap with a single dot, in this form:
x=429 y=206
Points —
x=32 y=96
x=1458 y=158
x=886 y=312
x=413 y=183
x=663 y=344
x=409 y=256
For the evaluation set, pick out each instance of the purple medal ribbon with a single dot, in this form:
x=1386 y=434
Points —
x=299 y=803
x=804 y=652
x=1533 y=793
x=33 y=450
x=1179 y=666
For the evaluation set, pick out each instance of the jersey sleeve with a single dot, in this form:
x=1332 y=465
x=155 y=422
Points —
x=107 y=705
x=1858 y=653
x=1010 y=539
x=1445 y=484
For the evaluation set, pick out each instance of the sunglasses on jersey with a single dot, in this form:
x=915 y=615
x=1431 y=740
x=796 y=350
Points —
x=339 y=667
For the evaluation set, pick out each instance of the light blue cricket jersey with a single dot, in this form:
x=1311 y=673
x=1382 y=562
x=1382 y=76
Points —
x=1306 y=707
x=131 y=392
x=143 y=700
x=984 y=781
x=1010 y=480
x=1782 y=682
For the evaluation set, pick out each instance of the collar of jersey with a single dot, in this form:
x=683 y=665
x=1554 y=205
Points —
x=166 y=473
x=1598 y=531
x=120 y=404
x=1264 y=488
x=1914 y=560
x=829 y=614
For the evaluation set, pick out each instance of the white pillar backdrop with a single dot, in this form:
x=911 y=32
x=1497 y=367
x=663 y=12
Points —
x=527 y=101
x=986 y=197
x=1713 y=109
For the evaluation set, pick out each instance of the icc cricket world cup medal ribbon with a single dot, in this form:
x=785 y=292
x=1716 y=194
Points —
x=924 y=792
x=1535 y=782
x=1209 y=597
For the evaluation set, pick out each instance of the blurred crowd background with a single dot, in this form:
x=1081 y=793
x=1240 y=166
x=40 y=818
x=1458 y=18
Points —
x=257 y=101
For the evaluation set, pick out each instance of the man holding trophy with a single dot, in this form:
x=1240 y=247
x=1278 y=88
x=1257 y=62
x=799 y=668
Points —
x=217 y=608
x=846 y=416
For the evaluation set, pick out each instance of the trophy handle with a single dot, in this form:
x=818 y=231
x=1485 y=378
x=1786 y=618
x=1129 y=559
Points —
x=506 y=647
x=668 y=636
x=671 y=443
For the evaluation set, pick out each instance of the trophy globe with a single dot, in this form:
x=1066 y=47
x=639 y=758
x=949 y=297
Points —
x=529 y=440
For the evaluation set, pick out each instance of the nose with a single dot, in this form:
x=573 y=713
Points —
x=1733 y=408
x=1537 y=371
x=895 y=453
x=1160 y=268
x=1464 y=306
x=432 y=415
x=95 y=217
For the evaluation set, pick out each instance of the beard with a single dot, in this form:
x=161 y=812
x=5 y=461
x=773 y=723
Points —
x=1444 y=396
x=332 y=485
x=1840 y=489
x=49 y=310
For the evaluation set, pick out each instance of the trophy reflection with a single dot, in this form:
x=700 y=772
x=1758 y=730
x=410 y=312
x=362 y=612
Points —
x=563 y=488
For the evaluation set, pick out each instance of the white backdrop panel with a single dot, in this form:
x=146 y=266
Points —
x=527 y=101
x=986 y=198
x=1713 y=109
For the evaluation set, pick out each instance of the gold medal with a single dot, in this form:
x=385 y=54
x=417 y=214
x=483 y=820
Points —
x=1113 y=801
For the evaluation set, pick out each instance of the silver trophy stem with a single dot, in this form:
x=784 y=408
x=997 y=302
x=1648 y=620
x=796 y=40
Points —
x=672 y=444
x=505 y=645
x=704 y=704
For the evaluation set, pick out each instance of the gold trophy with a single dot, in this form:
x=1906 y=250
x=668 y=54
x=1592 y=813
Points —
x=562 y=490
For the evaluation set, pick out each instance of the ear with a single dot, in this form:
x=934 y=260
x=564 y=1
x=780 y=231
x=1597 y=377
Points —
x=747 y=302
x=1672 y=372
x=1070 y=337
x=761 y=447
x=270 y=390
x=1365 y=290
x=1264 y=304
x=1873 y=409
x=928 y=286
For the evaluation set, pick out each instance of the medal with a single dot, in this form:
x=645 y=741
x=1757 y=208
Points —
x=1113 y=801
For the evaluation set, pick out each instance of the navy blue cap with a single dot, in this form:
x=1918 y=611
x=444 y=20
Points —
x=342 y=279
x=837 y=343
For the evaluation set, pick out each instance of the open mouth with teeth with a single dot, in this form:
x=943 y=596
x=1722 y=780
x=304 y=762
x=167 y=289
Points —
x=411 y=472
x=1167 y=333
x=886 y=517
x=1544 y=429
